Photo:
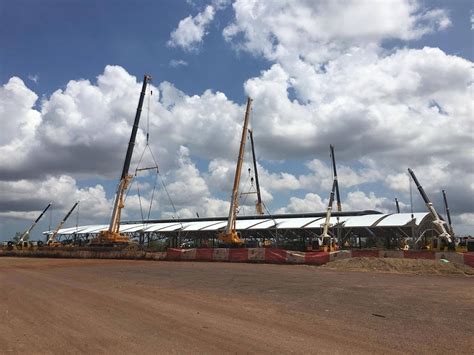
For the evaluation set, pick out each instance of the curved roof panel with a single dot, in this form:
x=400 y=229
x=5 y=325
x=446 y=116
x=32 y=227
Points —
x=364 y=221
x=401 y=219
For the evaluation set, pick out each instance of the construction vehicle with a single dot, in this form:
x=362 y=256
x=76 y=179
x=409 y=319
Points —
x=443 y=239
x=230 y=236
x=112 y=236
x=448 y=214
x=52 y=242
x=23 y=242
x=258 y=204
x=325 y=239
x=336 y=183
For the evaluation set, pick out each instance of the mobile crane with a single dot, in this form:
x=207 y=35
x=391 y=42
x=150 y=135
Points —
x=258 y=204
x=443 y=237
x=112 y=236
x=23 y=242
x=230 y=236
x=448 y=214
x=325 y=240
x=52 y=242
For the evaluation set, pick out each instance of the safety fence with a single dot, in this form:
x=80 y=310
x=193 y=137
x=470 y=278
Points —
x=249 y=255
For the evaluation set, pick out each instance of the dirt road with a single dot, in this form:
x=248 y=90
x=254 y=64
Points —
x=117 y=306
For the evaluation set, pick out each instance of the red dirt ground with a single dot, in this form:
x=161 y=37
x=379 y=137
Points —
x=119 y=306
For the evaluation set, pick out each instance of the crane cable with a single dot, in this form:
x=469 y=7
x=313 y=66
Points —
x=252 y=189
x=137 y=169
x=158 y=174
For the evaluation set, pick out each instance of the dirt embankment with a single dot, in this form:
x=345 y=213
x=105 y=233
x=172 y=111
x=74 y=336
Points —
x=402 y=266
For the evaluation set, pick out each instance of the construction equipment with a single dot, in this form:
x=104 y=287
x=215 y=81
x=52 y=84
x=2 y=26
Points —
x=112 y=236
x=448 y=214
x=336 y=183
x=397 y=205
x=325 y=240
x=52 y=242
x=230 y=236
x=23 y=242
x=258 y=204
x=443 y=238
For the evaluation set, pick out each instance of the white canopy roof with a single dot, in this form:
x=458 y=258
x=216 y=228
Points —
x=401 y=219
x=360 y=221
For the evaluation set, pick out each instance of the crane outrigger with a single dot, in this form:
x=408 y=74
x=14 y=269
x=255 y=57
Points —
x=439 y=224
x=112 y=236
x=52 y=242
x=230 y=235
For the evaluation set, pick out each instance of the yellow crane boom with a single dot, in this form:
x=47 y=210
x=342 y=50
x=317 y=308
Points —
x=229 y=235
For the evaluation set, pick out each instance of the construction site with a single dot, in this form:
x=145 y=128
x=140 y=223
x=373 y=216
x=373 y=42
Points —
x=256 y=283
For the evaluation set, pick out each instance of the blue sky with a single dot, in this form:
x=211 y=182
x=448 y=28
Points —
x=365 y=105
x=77 y=39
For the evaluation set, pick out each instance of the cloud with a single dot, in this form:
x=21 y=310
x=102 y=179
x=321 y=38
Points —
x=318 y=30
x=310 y=203
x=191 y=30
x=20 y=197
x=174 y=63
x=330 y=81
x=34 y=78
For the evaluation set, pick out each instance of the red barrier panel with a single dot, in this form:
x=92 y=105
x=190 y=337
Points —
x=240 y=254
x=469 y=259
x=173 y=254
x=204 y=254
x=275 y=256
x=316 y=257
x=418 y=254
x=365 y=253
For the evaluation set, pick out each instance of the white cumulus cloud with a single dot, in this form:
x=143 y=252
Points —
x=191 y=30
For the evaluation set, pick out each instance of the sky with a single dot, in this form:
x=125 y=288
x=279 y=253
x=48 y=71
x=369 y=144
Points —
x=388 y=83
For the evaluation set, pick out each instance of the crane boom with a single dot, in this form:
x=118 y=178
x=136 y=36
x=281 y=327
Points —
x=338 y=196
x=448 y=214
x=327 y=220
x=229 y=235
x=112 y=235
x=258 y=205
x=438 y=223
x=52 y=237
x=397 y=205
x=26 y=234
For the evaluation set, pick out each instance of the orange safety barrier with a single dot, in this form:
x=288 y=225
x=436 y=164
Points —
x=173 y=254
x=239 y=255
x=204 y=254
x=275 y=256
x=469 y=259
x=415 y=254
x=316 y=257
x=365 y=253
